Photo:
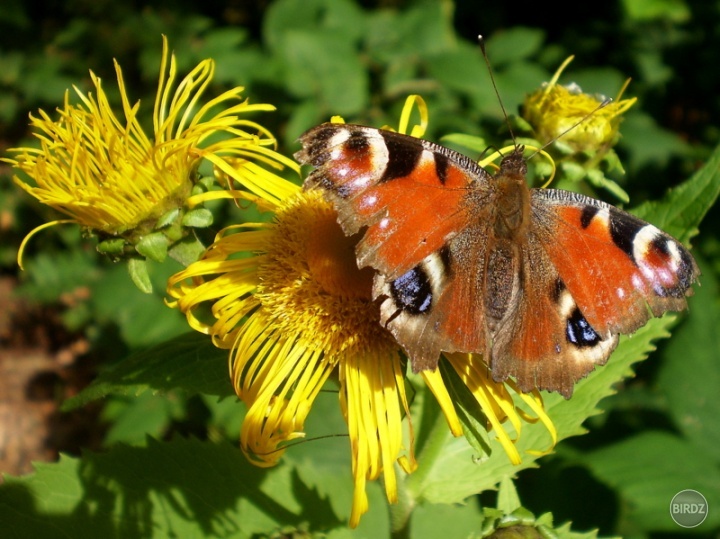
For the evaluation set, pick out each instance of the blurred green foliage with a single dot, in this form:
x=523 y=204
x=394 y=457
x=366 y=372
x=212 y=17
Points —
x=313 y=59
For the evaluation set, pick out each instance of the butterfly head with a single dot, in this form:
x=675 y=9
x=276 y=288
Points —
x=514 y=163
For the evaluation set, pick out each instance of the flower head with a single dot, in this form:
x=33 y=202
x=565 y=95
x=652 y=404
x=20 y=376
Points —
x=581 y=121
x=289 y=301
x=107 y=175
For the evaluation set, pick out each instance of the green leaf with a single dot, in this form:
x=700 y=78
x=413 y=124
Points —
x=681 y=210
x=198 y=218
x=114 y=246
x=689 y=376
x=508 y=499
x=456 y=473
x=131 y=420
x=153 y=246
x=649 y=469
x=514 y=44
x=143 y=319
x=169 y=217
x=137 y=267
x=182 y=488
x=189 y=363
x=470 y=142
x=446 y=521
x=598 y=179
x=187 y=250
x=342 y=16
x=647 y=143
x=325 y=65
x=676 y=11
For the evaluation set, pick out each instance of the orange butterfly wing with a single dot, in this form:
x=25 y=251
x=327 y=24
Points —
x=410 y=196
x=618 y=268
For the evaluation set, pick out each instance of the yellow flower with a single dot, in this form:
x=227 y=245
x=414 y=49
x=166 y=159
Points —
x=565 y=111
x=109 y=176
x=289 y=301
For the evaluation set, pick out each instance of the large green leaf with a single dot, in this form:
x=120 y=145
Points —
x=183 y=488
x=690 y=376
x=188 y=363
x=456 y=473
x=681 y=210
x=649 y=469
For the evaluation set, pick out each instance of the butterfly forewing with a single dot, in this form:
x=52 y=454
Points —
x=407 y=192
x=619 y=269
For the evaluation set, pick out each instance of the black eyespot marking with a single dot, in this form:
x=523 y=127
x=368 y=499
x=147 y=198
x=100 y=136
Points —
x=579 y=332
x=441 y=166
x=402 y=157
x=587 y=215
x=623 y=230
x=412 y=291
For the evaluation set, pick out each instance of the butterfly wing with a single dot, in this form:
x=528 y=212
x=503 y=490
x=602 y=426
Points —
x=596 y=271
x=412 y=199
x=619 y=269
x=544 y=340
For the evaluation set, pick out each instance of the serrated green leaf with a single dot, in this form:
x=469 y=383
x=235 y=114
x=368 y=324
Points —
x=649 y=469
x=169 y=217
x=681 y=210
x=131 y=420
x=456 y=474
x=189 y=363
x=182 y=488
x=508 y=499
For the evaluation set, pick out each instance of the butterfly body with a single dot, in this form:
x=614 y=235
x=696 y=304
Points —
x=539 y=281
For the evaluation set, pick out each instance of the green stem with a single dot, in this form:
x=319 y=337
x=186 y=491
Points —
x=401 y=512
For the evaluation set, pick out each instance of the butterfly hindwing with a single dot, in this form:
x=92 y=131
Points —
x=544 y=339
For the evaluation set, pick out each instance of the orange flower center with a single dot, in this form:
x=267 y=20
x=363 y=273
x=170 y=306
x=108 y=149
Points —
x=331 y=260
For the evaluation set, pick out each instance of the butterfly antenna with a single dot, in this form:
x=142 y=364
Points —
x=481 y=42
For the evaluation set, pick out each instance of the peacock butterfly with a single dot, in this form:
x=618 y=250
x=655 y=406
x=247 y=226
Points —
x=541 y=282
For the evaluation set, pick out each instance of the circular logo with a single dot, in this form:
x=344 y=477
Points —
x=688 y=508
